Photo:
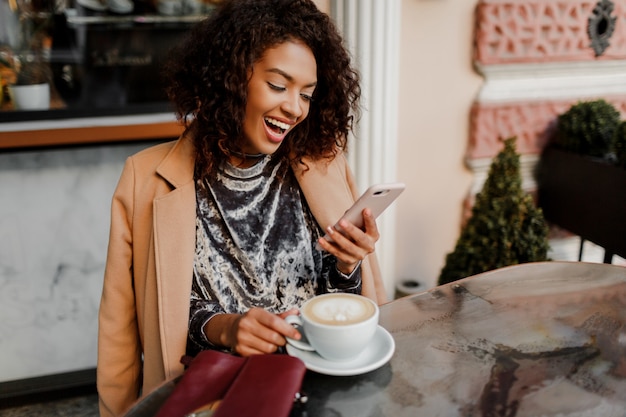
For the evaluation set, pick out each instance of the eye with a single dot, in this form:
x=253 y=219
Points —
x=306 y=97
x=276 y=87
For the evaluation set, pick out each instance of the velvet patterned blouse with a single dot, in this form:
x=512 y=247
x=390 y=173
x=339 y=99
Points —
x=255 y=247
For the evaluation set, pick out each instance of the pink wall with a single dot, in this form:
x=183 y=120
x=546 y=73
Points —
x=544 y=32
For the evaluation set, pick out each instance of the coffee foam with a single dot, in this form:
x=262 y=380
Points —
x=338 y=310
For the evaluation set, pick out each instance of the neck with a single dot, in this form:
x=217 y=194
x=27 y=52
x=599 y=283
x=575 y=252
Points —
x=244 y=160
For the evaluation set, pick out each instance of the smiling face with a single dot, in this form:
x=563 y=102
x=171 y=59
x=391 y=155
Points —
x=279 y=96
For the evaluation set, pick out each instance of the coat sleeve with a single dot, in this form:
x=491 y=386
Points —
x=119 y=347
x=330 y=189
x=372 y=282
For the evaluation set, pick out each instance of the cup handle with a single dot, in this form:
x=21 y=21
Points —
x=303 y=343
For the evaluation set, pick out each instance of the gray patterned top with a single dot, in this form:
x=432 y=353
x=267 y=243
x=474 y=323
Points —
x=255 y=247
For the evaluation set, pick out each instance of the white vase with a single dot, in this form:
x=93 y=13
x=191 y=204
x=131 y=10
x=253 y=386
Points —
x=30 y=97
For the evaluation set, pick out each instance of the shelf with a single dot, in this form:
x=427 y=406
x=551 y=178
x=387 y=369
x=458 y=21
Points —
x=143 y=19
x=88 y=131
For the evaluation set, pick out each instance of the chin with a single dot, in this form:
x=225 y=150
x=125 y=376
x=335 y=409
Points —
x=271 y=150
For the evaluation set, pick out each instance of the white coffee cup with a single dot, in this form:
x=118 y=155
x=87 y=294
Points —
x=338 y=326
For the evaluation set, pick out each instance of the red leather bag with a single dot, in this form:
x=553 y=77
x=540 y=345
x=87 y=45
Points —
x=260 y=386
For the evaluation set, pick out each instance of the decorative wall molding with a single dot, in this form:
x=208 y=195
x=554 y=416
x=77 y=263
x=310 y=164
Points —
x=552 y=80
x=533 y=122
x=517 y=31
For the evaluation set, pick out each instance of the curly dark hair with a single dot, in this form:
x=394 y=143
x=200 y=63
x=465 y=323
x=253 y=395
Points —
x=207 y=76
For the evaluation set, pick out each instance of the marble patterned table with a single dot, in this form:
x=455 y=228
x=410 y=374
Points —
x=539 y=339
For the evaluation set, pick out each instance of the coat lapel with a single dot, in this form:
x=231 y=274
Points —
x=174 y=243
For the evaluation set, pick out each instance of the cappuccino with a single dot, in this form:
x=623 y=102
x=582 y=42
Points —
x=339 y=309
x=337 y=326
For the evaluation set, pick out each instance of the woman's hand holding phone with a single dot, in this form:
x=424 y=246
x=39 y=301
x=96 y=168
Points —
x=354 y=236
x=352 y=244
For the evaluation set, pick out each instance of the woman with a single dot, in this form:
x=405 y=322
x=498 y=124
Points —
x=213 y=236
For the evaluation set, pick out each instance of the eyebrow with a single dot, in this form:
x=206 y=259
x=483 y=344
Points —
x=288 y=77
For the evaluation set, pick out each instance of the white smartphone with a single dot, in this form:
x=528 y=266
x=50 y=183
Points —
x=377 y=198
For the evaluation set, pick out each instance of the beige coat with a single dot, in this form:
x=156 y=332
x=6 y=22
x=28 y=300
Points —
x=147 y=284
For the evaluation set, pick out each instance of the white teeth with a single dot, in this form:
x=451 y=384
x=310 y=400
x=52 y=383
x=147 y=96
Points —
x=277 y=123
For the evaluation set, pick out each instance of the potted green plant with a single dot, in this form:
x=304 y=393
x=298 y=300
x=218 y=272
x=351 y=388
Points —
x=29 y=89
x=581 y=186
x=505 y=227
x=588 y=128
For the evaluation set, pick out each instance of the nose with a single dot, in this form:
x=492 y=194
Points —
x=293 y=106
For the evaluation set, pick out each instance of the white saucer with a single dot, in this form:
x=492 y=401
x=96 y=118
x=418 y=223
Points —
x=373 y=357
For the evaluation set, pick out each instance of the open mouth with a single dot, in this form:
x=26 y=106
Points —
x=276 y=126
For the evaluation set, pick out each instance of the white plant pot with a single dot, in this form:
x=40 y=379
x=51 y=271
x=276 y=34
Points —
x=30 y=97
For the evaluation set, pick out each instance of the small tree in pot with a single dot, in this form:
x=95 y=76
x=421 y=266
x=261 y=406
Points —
x=588 y=128
x=505 y=228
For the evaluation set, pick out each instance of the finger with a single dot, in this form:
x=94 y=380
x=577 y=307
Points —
x=284 y=329
x=364 y=241
x=371 y=228
x=366 y=237
x=249 y=343
x=250 y=335
x=342 y=248
x=245 y=350
x=273 y=328
x=255 y=347
x=342 y=239
x=292 y=312
x=351 y=245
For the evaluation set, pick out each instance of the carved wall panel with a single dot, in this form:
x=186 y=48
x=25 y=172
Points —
x=548 y=30
x=533 y=122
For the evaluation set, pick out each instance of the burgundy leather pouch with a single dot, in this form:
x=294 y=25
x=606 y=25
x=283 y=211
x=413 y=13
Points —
x=260 y=386
x=265 y=387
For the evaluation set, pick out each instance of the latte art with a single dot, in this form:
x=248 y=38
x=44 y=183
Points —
x=338 y=326
x=338 y=310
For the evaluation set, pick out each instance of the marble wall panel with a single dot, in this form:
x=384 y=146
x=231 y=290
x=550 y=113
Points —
x=54 y=221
